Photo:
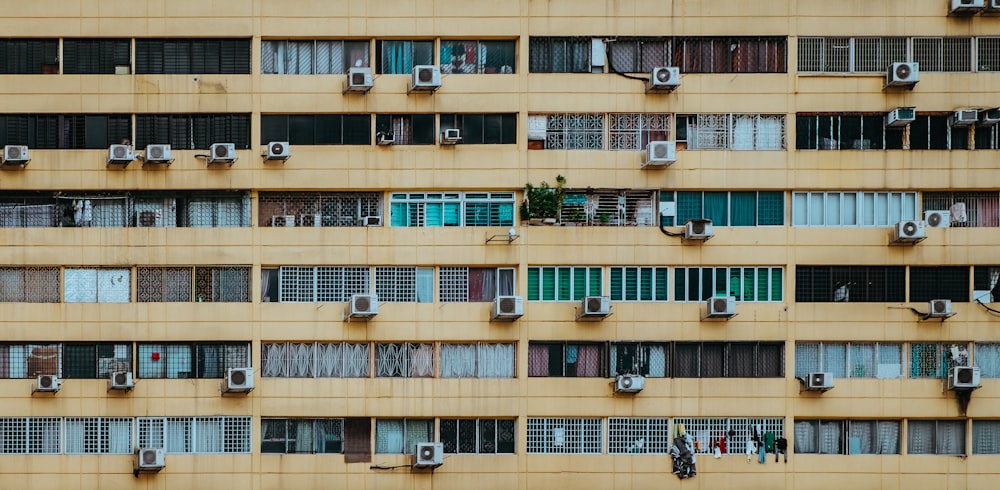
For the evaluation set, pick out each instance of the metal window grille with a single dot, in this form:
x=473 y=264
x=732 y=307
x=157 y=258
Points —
x=190 y=360
x=163 y=284
x=875 y=54
x=756 y=284
x=400 y=436
x=574 y=132
x=639 y=435
x=307 y=284
x=29 y=284
x=454 y=284
x=319 y=360
x=930 y=283
x=968 y=209
x=222 y=284
x=459 y=56
x=404 y=360
x=609 y=207
x=988 y=53
x=312 y=56
x=452 y=209
x=323 y=209
x=88 y=360
x=308 y=436
x=478 y=436
x=559 y=54
x=811 y=54
x=708 y=132
x=565 y=435
x=30 y=435
x=638 y=55
x=735 y=431
x=851 y=359
x=836 y=54
x=217 y=212
x=98 y=435
x=635 y=131
x=30 y=360
x=643 y=358
x=932 y=359
x=205 y=435
x=396 y=284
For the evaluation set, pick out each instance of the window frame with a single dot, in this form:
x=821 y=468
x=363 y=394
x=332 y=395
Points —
x=480 y=431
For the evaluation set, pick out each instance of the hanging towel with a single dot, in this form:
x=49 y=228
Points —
x=769 y=441
x=761 y=455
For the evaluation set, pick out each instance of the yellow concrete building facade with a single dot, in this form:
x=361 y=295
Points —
x=289 y=244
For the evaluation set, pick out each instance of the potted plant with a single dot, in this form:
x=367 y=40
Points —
x=542 y=202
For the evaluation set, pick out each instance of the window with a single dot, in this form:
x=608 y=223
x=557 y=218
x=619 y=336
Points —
x=988 y=359
x=943 y=53
x=404 y=284
x=846 y=132
x=208 y=284
x=933 y=132
x=875 y=54
x=312 y=56
x=933 y=359
x=29 y=56
x=192 y=131
x=29 y=211
x=97 y=285
x=639 y=283
x=732 y=131
x=986 y=437
x=565 y=283
x=191 y=360
x=308 y=436
x=478 y=436
x=400 y=436
x=478 y=360
x=163 y=284
x=200 y=435
x=730 y=54
x=406 y=129
x=635 y=131
x=475 y=284
x=853 y=208
x=309 y=284
x=648 y=359
x=758 y=284
x=564 y=435
x=65 y=131
x=404 y=360
x=29 y=360
x=966 y=208
x=215 y=211
x=847 y=436
x=95 y=56
x=222 y=284
x=935 y=437
x=850 y=284
x=988 y=53
x=192 y=56
x=728 y=360
x=482 y=129
x=315 y=360
x=30 y=435
x=399 y=57
x=734 y=432
x=987 y=137
x=567 y=359
x=98 y=435
x=29 y=284
x=316 y=129
x=559 y=54
x=452 y=209
x=572 y=131
x=850 y=360
x=639 y=54
x=635 y=435
x=318 y=208
x=736 y=208
x=95 y=360
x=929 y=283
x=608 y=207
x=477 y=56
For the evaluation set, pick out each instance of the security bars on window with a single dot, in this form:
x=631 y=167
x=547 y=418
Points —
x=565 y=435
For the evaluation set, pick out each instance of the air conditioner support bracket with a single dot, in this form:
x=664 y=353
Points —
x=578 y=316
x=348 y=317
x=506 y=237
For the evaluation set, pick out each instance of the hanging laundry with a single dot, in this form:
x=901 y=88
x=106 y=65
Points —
x=781 y=446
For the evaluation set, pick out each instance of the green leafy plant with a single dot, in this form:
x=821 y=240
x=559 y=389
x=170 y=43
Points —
x=543 y=200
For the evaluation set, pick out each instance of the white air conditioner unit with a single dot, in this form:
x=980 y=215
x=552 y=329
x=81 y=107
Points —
x=595 y=307
x=720 y=307
x=15 y=156
x=238 y=380
x=938 y=219
x=903 y=75
x=426 y=78
x=660 y=154
x=964 y=117
x=428 y=455
x=283 y=220
x=362 y=306
x=900 y=116
x=698 y=229
x=49 y=383
x=278 y=150
x=121 y=380
x=963 y=378
x=909 y=231
x=989 y=117
x=120 y=155
x=451 y=136
x=819 y=381
x=149 y=459
x=359 y=80
x=966 y=7
x=664 y=78
x=371 y=221
x=157 y=154
x=508 y=308
x=385 y=138
x=222 y=154
x=939 y=308
x=629 y=383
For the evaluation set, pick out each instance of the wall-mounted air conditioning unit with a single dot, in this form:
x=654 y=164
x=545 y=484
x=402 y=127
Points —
x=371 y=221
x=361 y=306
x=428 y=455
x=278 y=150
x=989 y=117
x=594 y=307
x=629 y=383
x=819 y=381
x=900 y=116
x=903 y=75
x=159 y=154
x=660 y=154
x=121 y=380
x=909 y=232
x=119 y=156
x=664 y=79
x=238 y=380
x=385 y=138
x=939 y=308
x=149 y=459
x=963 y=378
x=720 y=307
x=426 y=78
x=359 y=80
x=15 y=156
x=48 y=383
x=222 y=154
x=508 y=308
x=451 y=136
x=938 y=218
x=964 y=117
x=966 y=7
x=698 y=229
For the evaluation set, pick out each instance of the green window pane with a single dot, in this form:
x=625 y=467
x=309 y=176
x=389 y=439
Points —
x=452 y=214
x=735 y=288
x=748 y=284
x=743 y=208
x=616 y=284
x=661 y=284
x=432 y=214
x=579 y=280
x=646 y=283
x=680 y=284
x=397 y=214
x=631 y=284
x=776 y=283
x=477 y=214
x=533 y=287
x=667 y=196
x=763 y=275
x=505 y=214
x=716 y=208
x=688 y=207
x=722 y=285
x=548 y=283
x=770 y=208
x=595 y=286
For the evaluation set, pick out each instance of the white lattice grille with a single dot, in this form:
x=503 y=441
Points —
x=323 y=209
x=98 y=435
x=404 y=360
x=564 y=435
x=574 y=132
x=968 y=209
x=196 y=434
x=736 y=431
x=315 y=360
x=30 y=435
x=454 y=283
x=638 y=435
x=308 y=284
x=635 y=131
x=404 y=284
x=29 y=284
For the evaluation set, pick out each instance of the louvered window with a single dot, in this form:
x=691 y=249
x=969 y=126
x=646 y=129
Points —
x=29 y=56
x=192 y=131
x=192 y=56
x=316 y=129
x=95 y=56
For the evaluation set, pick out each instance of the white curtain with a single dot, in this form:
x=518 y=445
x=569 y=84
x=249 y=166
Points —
x=113 y=285
x=987 y=358
x=805 y=436
x=830 y=433
x=950 y=437
x=151 y=432
x=417 y=431
x=986 y=437
x=458 y=360
x=120 y=435
x=657 y=361
x=425 y=285
x=51 y=436
x=920 y=437
x=743 y=132
x=178 y=435
x=496 y=360
x=80 y=285
x=835 y=359
x=304 y=436
x=770 y=132
x=208 y=435
x=888 y=437
x=389 y=436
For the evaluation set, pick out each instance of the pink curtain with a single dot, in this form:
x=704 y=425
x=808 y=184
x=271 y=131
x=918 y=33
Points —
x=989 y=213
x=588 y=361
x=538 y=360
